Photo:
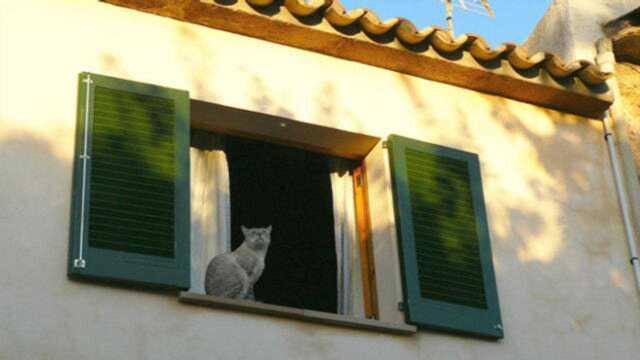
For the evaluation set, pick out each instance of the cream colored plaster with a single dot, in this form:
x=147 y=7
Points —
x=628 y=76
x=557 y=238
x=570 y=28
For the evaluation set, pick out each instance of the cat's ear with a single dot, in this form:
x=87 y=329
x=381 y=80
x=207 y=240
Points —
x=269 y=229
x=245 y=231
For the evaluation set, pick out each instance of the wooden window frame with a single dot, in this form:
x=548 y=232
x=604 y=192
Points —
x=226 y=120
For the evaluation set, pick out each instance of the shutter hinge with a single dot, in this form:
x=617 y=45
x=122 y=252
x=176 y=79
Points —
x=401 y=306
x=385 y=144
x=497 y=326
x=79 y=263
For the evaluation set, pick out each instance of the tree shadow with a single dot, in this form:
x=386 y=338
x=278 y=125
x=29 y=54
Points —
x=197 y=58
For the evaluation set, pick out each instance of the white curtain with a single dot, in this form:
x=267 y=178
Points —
x=210 y=211
x=350 y=301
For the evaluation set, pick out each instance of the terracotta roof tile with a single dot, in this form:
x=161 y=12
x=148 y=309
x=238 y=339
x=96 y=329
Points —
x=326 y=27
x=407 y=33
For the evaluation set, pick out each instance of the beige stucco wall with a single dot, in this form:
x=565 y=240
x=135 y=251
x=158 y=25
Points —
x=566 y=289
x=628 y=76
x=570 y=28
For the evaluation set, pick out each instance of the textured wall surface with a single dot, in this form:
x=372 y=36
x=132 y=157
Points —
x=566 y=289
x=570 y=28
x=628 y=76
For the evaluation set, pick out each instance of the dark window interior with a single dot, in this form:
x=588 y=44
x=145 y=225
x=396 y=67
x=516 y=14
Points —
x=290 y=189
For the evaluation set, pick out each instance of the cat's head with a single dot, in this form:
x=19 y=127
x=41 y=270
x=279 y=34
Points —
x=257 y=238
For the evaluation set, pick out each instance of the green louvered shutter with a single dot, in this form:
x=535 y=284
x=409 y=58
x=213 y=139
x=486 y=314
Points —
x=130 y=204
x=449 y=282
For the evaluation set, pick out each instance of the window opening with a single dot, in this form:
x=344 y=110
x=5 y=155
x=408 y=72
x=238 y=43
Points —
x=306 y=197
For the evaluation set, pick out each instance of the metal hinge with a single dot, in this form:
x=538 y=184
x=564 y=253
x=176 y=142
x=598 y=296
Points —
x=79 y=263
x=385 y=144
x=401 y=306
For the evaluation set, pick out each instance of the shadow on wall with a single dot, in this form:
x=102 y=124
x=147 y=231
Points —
x=550 y=206
x=550 y=163
x=556 y=181
x=35 y=193
x=110 y=64
x=330 y=112
x=197 y=57
x=193 y=54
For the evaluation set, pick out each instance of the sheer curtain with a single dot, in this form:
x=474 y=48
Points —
x=350 y=301
x=210 y=209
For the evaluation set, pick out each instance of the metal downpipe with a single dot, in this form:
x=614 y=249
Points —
x=606 y=60
x=622 y=200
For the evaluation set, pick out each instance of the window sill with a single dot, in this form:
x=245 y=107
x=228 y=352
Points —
x=293 y=313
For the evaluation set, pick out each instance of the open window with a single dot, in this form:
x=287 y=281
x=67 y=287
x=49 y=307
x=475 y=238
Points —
x=139 y=215
x=284 y=177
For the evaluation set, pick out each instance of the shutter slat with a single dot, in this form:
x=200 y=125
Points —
x=457 y=258
x=156 y=155
x=112 y=202
x=446 y=296
x=123 y=246
x=434 y=265
x=134 y=183
x=453 y=283
x=159 y=133
x=133 y=164
x=105 y=232
x=108 y=188
x=138 y=175
x=117 y=198
x=128 y=214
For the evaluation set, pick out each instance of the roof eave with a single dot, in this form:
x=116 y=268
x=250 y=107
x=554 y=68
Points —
x=498 y=77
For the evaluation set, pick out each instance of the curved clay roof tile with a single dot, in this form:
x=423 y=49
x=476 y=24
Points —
x=558 y=68
x=407 y=32
x=592 y=75
x=444 y=42
x=520 y=59
x=260 y=2
x=302 y=8
x=373 y=25
x=482 y=51
x=337 y=15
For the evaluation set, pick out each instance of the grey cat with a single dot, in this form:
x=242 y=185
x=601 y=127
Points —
x=233 y=274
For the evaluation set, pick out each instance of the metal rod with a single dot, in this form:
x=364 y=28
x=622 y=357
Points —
x=622 y=200
x=606 y=61
x=450 y=17
x=80 y=262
